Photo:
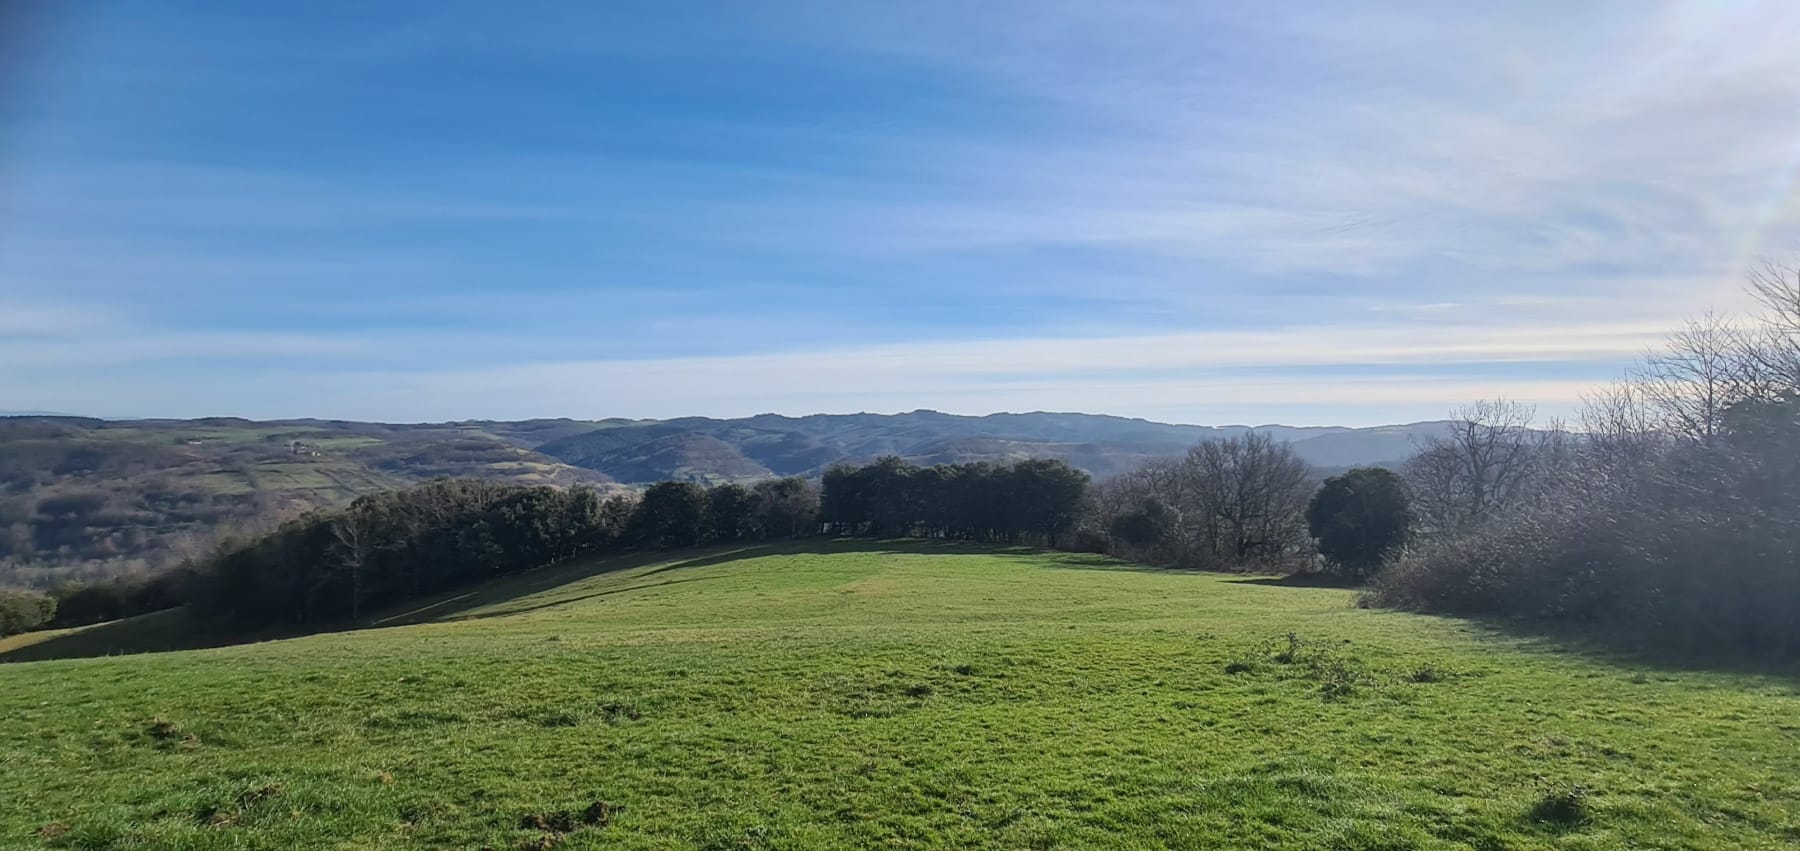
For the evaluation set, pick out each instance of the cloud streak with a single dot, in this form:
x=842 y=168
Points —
x=1142 y=207
x=1184 y=376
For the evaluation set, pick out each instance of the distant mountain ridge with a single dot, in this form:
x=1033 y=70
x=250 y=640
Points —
x=707 y=449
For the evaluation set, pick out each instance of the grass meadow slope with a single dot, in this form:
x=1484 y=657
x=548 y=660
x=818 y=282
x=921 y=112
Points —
x=903 y=695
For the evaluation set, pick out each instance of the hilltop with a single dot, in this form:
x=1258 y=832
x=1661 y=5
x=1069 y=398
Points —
x=862 y=694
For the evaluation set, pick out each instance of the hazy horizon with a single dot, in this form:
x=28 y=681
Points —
x=1218 y=425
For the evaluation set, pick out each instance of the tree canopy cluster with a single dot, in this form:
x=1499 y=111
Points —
x=333 y=566
x=24 y=610
x=1032 y=501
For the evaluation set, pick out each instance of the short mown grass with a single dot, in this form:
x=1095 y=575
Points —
x=902 y=695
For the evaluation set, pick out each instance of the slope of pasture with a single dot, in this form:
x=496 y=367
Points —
x=902 y=695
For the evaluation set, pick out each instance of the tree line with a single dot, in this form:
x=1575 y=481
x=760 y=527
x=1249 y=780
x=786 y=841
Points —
x=336 y=566
x=398 y=546
x=1033 y=501
x=1234 y=503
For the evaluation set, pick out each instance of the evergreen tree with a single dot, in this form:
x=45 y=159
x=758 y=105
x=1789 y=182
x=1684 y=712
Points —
x=1359 y=518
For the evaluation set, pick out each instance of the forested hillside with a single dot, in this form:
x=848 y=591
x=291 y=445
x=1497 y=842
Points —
x=85 y=498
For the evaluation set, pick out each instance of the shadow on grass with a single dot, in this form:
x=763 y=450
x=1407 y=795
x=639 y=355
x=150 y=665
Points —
x=1631 y=659
x=563 y=601
x=156 y=632
x=1304 y=580
x=447 y=605
x=177 y=629
x=1629 y=655
x=1040 y=556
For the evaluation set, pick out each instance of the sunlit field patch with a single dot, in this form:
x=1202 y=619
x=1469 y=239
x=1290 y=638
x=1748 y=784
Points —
x=895 y=695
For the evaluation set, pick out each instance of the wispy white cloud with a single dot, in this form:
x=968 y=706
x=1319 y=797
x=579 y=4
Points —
x=1191 y=377
x=1070 y=205
x=23 y=320
x=1366 y=141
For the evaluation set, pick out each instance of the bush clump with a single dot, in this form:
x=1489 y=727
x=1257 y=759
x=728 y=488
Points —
x=1669 y=521
x=21 y=611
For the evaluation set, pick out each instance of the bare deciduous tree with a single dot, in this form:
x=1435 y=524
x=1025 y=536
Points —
x=1771 y=352
x=1253 y=494
x=1228 y=503
x=1481 y=465
x=1619 y=428
x=1689 y=383
x=349 y=547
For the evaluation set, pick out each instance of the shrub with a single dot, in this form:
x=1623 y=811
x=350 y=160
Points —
x=1086 y=539
x=1670 y=522
x=1143 y=527
x=1359 y=518
x=1690 y=549
x=24 y=610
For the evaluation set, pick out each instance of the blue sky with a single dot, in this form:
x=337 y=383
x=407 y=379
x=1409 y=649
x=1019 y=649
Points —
x=1299 y=212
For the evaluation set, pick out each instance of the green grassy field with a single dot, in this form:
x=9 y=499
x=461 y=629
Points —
x=894 y=696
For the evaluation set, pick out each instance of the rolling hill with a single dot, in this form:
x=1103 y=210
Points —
x=882 y=694
x=772 y=444
x=84 y=498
